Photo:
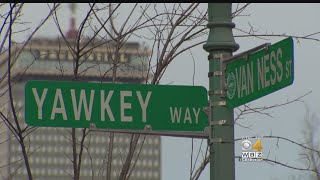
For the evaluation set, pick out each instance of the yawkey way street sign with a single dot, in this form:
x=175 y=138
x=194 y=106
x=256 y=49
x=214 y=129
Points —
x=261 y=73
x=160 y=109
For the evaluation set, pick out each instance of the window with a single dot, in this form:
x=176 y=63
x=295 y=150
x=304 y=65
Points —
x=149 y=174
x=43 y=160
x=43 y=54
x=20 y=114
x=155 y=163
x=138 y=163
x=63 y=55
x=99 y=56
x=55 y=138
x=139 y=174
x=43 y=138
x=150 y=151
x=90 y=56
x=61 y=138
x=85 y=173
x=123 y=59
x=111 y=57
x=50 y=149
x=53 y=54
x=156 y=174
x=55 y=171
x=156 y=152
x=19 y=104
x=43 y=172
x=31 y=159
x=97 y=150
x=144 y=174
x=61 y=160
x=35 y=53
x=70 y=56
x=144 y=163
x=43 y=149
x=127 y=57
x=37 y=160
x=144 y=151
x=55 y=160
x=49 y=160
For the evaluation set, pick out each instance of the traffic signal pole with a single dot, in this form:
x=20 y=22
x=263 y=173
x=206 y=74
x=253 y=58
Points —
x=220 y=45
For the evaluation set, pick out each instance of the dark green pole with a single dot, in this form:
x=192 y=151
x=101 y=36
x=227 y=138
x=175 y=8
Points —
x=220 y=45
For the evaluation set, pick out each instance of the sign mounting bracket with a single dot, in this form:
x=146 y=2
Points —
x=245 y=54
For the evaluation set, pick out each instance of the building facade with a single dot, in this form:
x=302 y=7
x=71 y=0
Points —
x=50 y=149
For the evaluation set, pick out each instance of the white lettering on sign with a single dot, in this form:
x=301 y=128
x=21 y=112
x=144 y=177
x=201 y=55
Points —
x=260 y=74
x=105 y=106
x=80 y=102
x=187 y=116
x=176 y=115
x=144 y=104
x=39 y=101
x=55 y=109
x=273 y=77
x=196 y=114
x=269 y=72
x=266 y=70
x=83 y=100
x=124 y=106
x=244 y=80
x=288 y=69
x=279 y=56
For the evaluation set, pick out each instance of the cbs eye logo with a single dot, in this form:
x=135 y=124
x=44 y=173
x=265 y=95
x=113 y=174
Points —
x=247 y=145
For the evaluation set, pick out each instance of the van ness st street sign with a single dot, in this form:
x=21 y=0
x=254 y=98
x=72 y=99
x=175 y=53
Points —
x=261 y=73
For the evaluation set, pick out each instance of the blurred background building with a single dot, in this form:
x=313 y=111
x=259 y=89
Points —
x=50 y=149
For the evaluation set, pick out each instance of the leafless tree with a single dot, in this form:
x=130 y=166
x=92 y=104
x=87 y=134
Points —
x=10 y=17
x=169 y=31
x=311 y=136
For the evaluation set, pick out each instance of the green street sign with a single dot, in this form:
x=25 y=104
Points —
x=261 y=73
x=137 y=108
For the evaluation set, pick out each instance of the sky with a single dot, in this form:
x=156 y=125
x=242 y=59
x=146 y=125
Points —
x=287 y=121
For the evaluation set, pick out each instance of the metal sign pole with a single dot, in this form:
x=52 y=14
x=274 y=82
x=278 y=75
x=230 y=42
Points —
x=220 y=45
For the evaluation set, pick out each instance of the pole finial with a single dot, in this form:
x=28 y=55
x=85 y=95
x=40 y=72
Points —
x=220 y=28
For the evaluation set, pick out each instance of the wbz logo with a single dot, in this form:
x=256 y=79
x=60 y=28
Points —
x=251 y=152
